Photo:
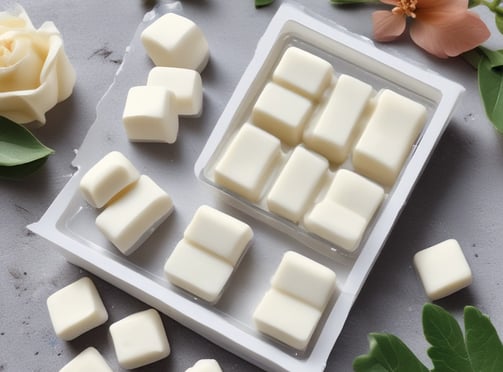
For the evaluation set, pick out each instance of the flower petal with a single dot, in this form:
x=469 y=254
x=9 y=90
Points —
x=387 y=26
x=442 y=5
x=460 y=32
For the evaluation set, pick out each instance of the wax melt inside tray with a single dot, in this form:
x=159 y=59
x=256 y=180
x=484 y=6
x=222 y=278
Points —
x=70 y=222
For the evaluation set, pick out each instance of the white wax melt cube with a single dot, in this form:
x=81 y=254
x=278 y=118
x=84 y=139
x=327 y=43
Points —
x=282 y=113
x=244 y=170
x=205 y=365
x=132 y=216
x=204 y=260
x=443 y=269
x=185 y=84
x=139 y=339
x=88 y=360
x=333 y=133
x=150 y=115
x=176 y=41
x=388 y=137
x=290 y=311
x=76 y=309
x=297 y=184
x=303 y=72
x=107 y=178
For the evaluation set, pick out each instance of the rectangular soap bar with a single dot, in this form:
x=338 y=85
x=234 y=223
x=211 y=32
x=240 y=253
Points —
x=388 y=137
x=297 y=184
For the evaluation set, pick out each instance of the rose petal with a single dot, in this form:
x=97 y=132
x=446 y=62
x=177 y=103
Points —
x=442 y=5
x=387 y=26
x=458 y=33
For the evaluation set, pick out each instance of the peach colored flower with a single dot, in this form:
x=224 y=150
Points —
x=444 y=28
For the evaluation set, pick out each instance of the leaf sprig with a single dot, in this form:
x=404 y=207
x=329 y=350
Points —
x=480 y=350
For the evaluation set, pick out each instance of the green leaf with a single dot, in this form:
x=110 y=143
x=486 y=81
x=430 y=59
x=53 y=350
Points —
x=499 y=22
x=388 y=354
x=20 y=152
x=261 y=3
x=484 y=346
x=495 y=57
x=448 y=350
x=490 y=80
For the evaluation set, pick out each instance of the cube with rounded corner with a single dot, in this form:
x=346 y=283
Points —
x=76 y=309
x=443 y=269
x=197 y=271
x=134 y=214
x=88 y=360
x=175 y=41
x=388 y=137
x=297 y=184
x=107 y=178
x=186 y=85
x=282 y=113
x=337 y=224
x=205 y=365
x=219 y=233
x=303 y=73
x=244 y=170
x=150 y=115
x=140 y=339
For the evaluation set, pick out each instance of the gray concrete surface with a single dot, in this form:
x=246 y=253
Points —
x=458 y=196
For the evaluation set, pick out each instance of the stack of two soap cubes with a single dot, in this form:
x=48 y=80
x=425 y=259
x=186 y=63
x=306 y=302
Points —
x=180 y=52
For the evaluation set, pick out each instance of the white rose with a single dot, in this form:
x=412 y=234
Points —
x=35 y=72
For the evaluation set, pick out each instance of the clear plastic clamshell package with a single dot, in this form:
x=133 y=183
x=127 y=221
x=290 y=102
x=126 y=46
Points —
x=70 y=222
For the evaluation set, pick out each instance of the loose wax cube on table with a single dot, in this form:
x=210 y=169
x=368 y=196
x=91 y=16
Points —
x=90 y=360
x=205 y=365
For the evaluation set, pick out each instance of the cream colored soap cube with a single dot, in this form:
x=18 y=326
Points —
x=304 y=279
x=186 y=85
x=131 y=217
x=139 y=339
x=443 y=269
x=76 y=309
x=303 y=72
x=176 y=41
x=337 y=224
x=282 y=113
x=88 y=360
x=107 y=178
x=218 y=233
x=150 y=115
x=205 y=365
x=197 y=271
x=335 y=130
x=243 y=169
x=388 y=137
x=356 y=193
x=286 y=319
x=297 y=184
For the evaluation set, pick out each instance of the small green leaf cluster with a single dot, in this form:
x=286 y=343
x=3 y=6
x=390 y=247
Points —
x=262 y=3
x=479 y=350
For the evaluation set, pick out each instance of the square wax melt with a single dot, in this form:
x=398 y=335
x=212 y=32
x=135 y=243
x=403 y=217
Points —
x=303 y=73
x=76 y=309
x=88 y=360
x=176 y=41
x=186 y=85
x=244 y=170
x=282 y=113
x=150 y=115
x=205 y=365
x=203 y=261
x=107 y=178
x=335 y=130
x=388 y=137
x=297 y=184
x=140 y=339
x=134 y=214
x=443 y=269
x=300 y=291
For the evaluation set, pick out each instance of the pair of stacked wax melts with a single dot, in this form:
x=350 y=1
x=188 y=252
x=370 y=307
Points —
x=209 y=252
x=180 y=52
x=138 y=339
x=330 y=148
